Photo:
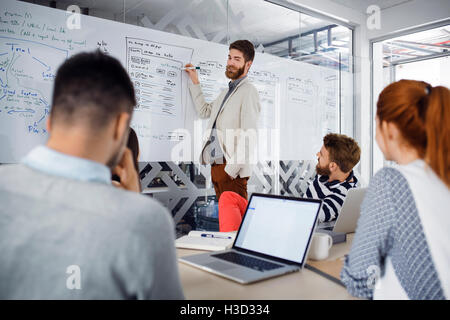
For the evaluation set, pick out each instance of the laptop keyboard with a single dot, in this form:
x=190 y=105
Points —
x=247 y=261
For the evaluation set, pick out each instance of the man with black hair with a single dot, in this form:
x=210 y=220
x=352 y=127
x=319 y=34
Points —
x=233 y=119
x=65 y=231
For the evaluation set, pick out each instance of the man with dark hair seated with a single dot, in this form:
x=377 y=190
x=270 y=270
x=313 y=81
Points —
x=336 y=160
x=65 y=231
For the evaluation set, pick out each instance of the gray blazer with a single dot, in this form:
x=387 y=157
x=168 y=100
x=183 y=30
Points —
x=57 y=234
x=236 y=122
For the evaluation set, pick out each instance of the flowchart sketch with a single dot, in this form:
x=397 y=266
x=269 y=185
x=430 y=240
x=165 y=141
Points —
x=27 y=72
x=268 y=85
x=156 y=72
x=300 y=102
x=330 y=99
x=302 y=113
x=34 y=42
x=212 y=79
x=302 y=92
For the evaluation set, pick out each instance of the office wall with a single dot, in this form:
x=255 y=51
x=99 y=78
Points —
x=216 y=14
x=400 y=19
x=361 y=65
x=409 y=15
x=395 y=17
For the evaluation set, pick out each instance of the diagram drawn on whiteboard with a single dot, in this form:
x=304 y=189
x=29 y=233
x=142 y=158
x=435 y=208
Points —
x=27 y=71
x=156 y=72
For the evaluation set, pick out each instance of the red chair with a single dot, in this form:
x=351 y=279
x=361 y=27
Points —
x=231 y=210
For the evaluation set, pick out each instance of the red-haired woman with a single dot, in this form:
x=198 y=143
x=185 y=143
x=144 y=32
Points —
x=401 y=249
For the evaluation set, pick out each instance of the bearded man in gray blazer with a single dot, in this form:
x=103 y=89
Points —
x=233 y=119
x=65 y=231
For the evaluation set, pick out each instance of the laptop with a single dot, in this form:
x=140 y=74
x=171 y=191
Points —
x=273 y=239
x=349 y=215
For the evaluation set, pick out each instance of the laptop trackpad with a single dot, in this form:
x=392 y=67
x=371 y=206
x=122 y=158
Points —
x=220 y=266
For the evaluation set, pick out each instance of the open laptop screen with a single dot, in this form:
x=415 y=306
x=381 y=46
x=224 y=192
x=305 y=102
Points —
x=278 y=226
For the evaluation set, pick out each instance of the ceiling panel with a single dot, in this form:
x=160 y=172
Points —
x=362 y=5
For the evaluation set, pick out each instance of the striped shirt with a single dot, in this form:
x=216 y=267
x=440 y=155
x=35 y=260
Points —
x=332 y=193
x=400 y=249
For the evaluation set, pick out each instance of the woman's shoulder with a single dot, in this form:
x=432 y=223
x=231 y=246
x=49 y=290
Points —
x=390 y=186
x=388 y=176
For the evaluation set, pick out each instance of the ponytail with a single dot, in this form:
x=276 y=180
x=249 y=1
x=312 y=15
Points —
x=422 y=113
x=437 y=126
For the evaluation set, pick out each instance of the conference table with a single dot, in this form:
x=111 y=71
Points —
x=305 y=284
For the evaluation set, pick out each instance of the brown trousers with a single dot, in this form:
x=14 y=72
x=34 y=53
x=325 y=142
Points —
x=223 y=182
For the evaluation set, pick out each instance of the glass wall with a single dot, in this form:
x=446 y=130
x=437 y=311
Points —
x=317 y=65
x=417 y=55
x=273 y=30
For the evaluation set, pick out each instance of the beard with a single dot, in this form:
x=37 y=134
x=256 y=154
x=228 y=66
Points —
x=234 y=75
x=323 y=171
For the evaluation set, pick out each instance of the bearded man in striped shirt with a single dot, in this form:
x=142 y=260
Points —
x=336 y=159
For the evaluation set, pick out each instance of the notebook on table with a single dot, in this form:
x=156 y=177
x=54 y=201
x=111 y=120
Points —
x=206 y=240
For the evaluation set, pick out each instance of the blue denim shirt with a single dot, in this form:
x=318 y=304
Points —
x=52 y=162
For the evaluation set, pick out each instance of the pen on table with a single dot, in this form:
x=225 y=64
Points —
x=206 y=235
x=191 y=68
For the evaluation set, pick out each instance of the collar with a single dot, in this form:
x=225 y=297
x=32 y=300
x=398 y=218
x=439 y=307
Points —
x=235 y=83
x=49 y=161
x=324 y=179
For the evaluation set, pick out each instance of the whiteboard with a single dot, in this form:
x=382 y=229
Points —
x=299 y=100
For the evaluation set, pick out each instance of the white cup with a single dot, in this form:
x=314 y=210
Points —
x=320 y=246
